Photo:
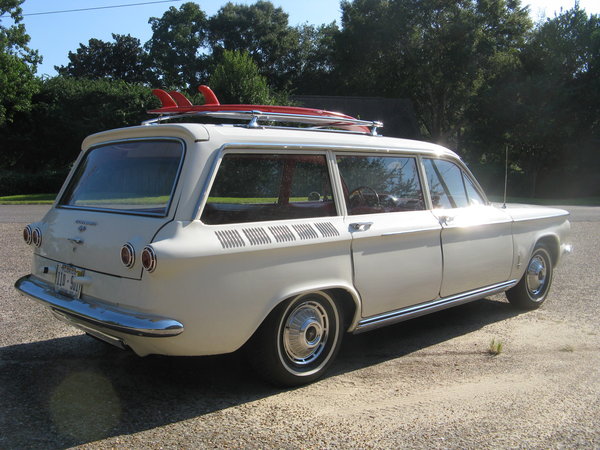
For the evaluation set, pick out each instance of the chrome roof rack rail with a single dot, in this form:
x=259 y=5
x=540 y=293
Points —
x=256 y=118
x=176 y=106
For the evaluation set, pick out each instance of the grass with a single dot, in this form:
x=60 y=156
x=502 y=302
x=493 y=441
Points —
x=495 y=348
x=252 y=200
x=29 y=199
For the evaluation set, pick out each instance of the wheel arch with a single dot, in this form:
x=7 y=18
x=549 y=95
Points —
x=345 y=295
x=552 y=243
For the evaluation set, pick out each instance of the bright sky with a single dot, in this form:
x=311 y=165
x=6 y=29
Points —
x=54 y=35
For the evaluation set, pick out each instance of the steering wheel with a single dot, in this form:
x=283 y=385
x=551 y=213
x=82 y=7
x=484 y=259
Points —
x=362 y=200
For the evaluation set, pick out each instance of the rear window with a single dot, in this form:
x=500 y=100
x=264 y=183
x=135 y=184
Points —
x=136 y=177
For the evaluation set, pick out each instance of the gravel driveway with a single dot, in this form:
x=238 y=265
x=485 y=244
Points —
x=429 y=382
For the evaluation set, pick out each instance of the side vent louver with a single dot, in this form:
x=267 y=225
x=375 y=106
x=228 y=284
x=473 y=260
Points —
x=282 y=233
x=327 y=229
x=257 y=236
x=305 y=231
x=230 y=238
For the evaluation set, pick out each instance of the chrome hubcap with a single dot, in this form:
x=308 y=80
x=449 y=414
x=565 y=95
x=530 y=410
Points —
x=305 y=333
x=536 y=275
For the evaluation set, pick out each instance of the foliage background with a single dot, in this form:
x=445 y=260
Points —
x=481 y=76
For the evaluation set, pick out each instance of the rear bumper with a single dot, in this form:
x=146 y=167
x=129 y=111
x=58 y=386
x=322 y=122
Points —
x=92 y=312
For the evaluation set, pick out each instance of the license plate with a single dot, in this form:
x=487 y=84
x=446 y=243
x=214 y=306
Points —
x=64 y=280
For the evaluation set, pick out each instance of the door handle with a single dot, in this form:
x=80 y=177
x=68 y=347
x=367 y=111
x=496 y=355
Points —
x=446 y=220
x=77 y=241
x=360 y=226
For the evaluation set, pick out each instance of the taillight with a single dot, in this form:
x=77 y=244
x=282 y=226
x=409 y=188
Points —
x=128 y=255
x=27 y=234
x=36 y=237
x=149 y=259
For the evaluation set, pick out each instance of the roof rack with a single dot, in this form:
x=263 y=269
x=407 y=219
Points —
x=176 y=105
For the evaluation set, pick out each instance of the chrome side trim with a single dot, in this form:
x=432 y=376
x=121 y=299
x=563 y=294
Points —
x=421 y=309
x=95 y=313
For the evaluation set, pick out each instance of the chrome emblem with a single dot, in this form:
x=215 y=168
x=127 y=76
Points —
x=82 y=228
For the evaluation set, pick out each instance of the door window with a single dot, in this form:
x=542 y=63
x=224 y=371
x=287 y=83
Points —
x=260 y=187
x=379 y=184
x=449 y=186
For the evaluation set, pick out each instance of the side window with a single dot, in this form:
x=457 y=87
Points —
x=261 y=187
x=449 y=186
x=475 y=197
x=378 y=184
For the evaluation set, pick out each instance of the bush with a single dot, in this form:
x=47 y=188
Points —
x=15 y=183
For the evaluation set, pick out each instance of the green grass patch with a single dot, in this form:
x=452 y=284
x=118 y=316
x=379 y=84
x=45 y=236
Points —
x=29 y=199
x=252 y=200
x=143 y=201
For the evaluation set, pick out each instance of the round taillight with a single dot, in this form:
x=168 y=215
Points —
x=128 y=255
x=36 y=237
x=149 y=259
x=27 y=235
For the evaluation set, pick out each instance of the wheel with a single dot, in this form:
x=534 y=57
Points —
x=298 y=340
x=531 y=291
x=360 y=197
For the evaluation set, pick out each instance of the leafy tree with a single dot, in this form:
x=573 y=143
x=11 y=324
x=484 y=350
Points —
x=75 y=108
x=123 y=59
x=176 y=49
x=543 y=105
x=262 y=31
x=313 y=60
x=436 y=53
x=236 y=79
x=18 y=63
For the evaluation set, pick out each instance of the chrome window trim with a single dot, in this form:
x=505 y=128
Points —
x=250 y=148
x=465 y=172
x=408 y=153
x=121 y=211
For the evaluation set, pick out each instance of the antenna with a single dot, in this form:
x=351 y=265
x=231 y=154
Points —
x=505 y=175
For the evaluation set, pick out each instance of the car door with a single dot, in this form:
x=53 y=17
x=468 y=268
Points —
x=477 y=244
x=396 y=252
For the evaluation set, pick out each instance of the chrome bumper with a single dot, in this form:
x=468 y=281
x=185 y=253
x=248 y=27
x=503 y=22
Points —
x=95 y=313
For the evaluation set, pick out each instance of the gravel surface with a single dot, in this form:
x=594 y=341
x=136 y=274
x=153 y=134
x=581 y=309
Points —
x=429 y=382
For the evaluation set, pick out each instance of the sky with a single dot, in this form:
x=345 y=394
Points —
x=54 y=35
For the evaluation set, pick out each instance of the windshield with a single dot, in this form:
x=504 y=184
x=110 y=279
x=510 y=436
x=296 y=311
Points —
x=137 y=177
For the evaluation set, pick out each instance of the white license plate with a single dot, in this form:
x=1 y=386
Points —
x=64 y=280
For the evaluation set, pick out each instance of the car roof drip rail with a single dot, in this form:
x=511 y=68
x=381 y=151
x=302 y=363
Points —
x=176 y=106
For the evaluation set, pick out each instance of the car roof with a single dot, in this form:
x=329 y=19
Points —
x=292 y=138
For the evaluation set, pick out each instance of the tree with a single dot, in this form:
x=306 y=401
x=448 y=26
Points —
x=176 y=49
x=236 y=79
x=123 y=59
x=263 y=32
x=313 y=60
x=18 y=62
x=436 y=53
x=544 y=105
x=75 y=108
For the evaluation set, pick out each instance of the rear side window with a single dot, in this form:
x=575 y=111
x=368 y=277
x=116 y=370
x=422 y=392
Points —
x=449 y=186
x=137 y=177
x=379 y=184
x=262 y=187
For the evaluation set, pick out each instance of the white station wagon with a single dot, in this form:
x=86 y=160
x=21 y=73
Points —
x=183 y=238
